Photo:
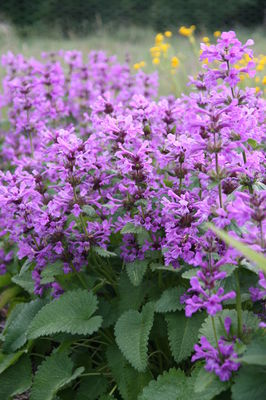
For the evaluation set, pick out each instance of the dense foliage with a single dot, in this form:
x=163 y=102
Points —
x=83 y=15
x=112 y=282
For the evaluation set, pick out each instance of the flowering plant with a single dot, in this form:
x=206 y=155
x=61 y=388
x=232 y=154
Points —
x=116 y=286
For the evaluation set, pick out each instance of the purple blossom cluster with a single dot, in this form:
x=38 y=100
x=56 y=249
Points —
x=91 y=151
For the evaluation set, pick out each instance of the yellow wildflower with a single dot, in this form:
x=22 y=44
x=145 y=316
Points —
x=159 y=38
x=188 y=32
x=175 y=62
x=264 y=80
x=136 y=66
x=142 y=64
x=168 y=34
x=156 y=61
x=206 y=40
x=257 y=79
x=216 y=34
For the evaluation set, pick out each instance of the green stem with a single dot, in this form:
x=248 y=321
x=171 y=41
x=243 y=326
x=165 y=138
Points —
x=238 y=306
x=215 y=335
x=218 y=176
x=80 y=277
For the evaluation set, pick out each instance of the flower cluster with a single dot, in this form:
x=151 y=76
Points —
x=90 y=155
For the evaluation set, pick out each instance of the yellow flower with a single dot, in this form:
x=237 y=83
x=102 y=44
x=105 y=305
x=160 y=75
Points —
x=188 y=32
x=257 y=79
x=264 y=80
x=165 y=47
x=217 y=34
x=142 y=64
x=156 y=61
x=257 y=88
x=168 y=34
x=175 y=62
x=205 y=39
x=136 y=66
x=159 y=38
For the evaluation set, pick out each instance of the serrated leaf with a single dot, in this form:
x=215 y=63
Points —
x=130 y=382
x=6 y=360
x=91 y=387
x=132 y=334
x=50 y=271
x=103 y=253
x=52 y=375
x=169 y=386
x=131 y=228
x=250 y=383
x=136 y=271
x=130 y=297
x=250 y=321
x=15 y=334
x=207 y=385
x=256 y=352
x=25 y=281
x=183 y=333
x=16 y=379
x=170 y=300
x=71 y=313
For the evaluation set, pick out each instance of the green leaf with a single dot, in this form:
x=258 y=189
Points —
x=207 y=385
x=132 y=334
x=130 y=296
x=249 y=253
x=89 y=210
x=103 y=253
x=16 y=379
x=52 y=375
x=71 y=313
x=256 y=352
x=169 y=386
x=130 y=382
x=250 y=321
x=136 y=271
x=15 y=334
x=250 y=383
x=92 y=387
x=25 y=281
x=50 y=271
x=183 y=333
x=170 y=300
x=6 y=360
x=131 y=228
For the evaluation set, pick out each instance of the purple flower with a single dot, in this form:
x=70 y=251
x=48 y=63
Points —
x=221 y=361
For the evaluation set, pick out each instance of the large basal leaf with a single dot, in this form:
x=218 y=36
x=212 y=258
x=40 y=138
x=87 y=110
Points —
x=183 y=333
x=52 y=375
x=132 y=334
x=136 y=271
x=15 y=333
x=250 y=383
x=71 y=313
x=129 y=382
x=170 y=300
x=16 y=379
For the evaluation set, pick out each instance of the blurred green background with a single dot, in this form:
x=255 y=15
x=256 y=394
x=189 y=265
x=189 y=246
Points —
x=83 y=16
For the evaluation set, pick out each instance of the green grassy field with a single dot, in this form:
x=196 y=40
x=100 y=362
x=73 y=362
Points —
x=133 y=42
